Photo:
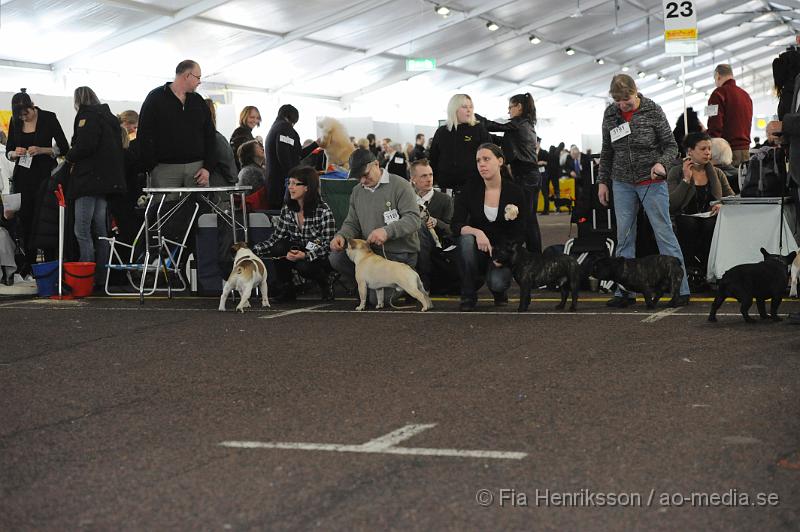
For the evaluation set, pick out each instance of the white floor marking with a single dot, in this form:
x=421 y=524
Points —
x=660 y=314
x=386 y=444
x=294 y=311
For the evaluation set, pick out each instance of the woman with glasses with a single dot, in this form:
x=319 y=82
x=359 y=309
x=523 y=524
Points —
x=31 y=135
x=638 y=146
x=301 y=236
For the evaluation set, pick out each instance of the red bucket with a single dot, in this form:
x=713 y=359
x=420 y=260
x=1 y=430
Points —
x=79 y=277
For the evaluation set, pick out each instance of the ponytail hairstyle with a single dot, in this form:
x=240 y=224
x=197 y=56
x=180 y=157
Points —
x=528 y=107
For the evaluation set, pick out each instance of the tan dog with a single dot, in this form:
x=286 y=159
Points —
x=248 y=272
x=378 y=273
x=335 y=141
x=795 y=275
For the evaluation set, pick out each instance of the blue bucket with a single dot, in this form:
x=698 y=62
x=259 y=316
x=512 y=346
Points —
x=46 y=275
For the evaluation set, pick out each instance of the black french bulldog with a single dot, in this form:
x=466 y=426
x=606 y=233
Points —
x=760 y=281
x=653 y=276
x=532 y=270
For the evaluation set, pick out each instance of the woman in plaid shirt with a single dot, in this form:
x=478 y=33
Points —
x=301 y=236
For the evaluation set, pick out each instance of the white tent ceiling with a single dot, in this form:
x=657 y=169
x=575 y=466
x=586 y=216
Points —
x=351 y=51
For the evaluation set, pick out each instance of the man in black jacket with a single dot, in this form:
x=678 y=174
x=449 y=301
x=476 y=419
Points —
x=176 y=133
x=419 y=148
x=284 y=151
x=396 y=160
x=436 y=209
x=552 y=175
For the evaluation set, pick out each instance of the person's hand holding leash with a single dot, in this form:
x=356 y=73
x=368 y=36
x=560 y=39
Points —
x=483 y=242
x=296 y=255
x=430 y=223
x=658 y=171
x=378 y=236
x=201 y=177
x=337 y=244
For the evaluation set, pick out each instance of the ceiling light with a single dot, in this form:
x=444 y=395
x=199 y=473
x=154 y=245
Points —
x=534 y=39
x=491 y=26
x=625 y=68
x=569 y=51
x=600 y=61
x=442 y=10
x=641 y=74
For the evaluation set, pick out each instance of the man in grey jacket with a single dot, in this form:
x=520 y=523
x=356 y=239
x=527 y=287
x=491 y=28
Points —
x=383 y=211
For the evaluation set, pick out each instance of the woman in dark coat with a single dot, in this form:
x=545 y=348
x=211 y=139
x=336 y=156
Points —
x=284 y=152
x=31 y=134
x=454 y=145
x=487 y=214
x=97 y=170
x=249 y=119
x=519 y=146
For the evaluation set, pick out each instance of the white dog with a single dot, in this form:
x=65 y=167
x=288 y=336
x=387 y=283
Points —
x=373 y=271
x=795 y=275
x=248 y=271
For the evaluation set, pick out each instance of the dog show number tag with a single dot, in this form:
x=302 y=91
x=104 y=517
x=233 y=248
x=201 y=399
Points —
x=389 y=217
x=712 y=110
x=620 y=132
x=26 y=160
x=311 y=246
x=287 y=140
x=398 y=160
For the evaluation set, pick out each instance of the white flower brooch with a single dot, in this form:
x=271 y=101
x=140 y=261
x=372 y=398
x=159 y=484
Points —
x=512 y=211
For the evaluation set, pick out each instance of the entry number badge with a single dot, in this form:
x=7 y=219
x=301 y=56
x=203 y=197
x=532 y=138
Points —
x=311 y=246
x=620 y=132
x=712 y=110
x=389 y=217
x=26 y=160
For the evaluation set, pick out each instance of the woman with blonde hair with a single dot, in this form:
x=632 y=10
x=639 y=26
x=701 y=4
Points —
x=249 y=119
x=722 y=159
x=454 y=145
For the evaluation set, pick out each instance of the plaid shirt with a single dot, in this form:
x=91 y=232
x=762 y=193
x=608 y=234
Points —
x=319 y=228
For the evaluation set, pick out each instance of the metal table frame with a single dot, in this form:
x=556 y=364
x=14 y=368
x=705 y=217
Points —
x=184 y=194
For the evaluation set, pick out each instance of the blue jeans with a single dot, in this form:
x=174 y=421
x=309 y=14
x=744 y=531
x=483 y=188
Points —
x=472 y=263
x=91 y=214
x=655 y=200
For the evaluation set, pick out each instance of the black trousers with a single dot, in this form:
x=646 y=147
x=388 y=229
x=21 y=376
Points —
x=694 y=236
x=316 y=270
x=533 y=236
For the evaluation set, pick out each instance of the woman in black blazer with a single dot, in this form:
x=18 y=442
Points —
x=489 y=213
x=31 y=134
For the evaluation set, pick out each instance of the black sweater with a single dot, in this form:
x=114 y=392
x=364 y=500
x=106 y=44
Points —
x=453 y=153
x=48 y=129
x=176 y=133
x=469 y=211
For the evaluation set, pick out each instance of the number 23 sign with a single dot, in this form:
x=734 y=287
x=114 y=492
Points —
x=680 y=20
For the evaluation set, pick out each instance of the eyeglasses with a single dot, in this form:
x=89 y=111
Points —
x=193 y=75
x=296 y=184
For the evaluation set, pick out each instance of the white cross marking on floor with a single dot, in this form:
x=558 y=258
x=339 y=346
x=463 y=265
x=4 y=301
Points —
x=660 y=315
x=386 y=444
x=293 y=311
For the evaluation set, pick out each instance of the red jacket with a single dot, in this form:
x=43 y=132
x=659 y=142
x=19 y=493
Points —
x=734 y=115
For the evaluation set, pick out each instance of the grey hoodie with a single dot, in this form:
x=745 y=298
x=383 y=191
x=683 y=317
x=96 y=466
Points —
x=630 y=158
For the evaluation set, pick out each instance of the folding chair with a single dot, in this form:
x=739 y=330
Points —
x=159 y=257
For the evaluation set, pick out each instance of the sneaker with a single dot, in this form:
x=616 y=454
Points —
x=682 y=301
x=620 y=302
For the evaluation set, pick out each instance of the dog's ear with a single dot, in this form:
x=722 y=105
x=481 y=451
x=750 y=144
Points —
x=791 y=257
x=764 y=252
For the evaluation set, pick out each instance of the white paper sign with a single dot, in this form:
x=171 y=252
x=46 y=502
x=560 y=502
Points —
x=712 y=110
x=620 y=132
x=389 y=217
x=398 y=160
x=12 y=202
x=26 y=160
x=287 y=140
x=680 y=27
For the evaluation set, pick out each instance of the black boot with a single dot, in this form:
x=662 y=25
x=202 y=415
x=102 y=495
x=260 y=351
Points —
x=326 y=288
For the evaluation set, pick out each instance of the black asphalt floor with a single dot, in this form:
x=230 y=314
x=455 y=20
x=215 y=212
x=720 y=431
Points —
x=173 y=416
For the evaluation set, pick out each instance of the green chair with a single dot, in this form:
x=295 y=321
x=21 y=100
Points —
x=336 y=193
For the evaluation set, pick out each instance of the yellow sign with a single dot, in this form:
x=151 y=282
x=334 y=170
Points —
x=680 y=35
x=5 y=120
x=761 y=123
